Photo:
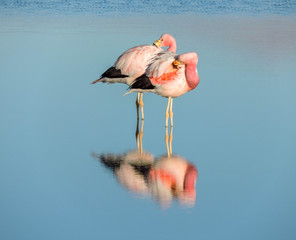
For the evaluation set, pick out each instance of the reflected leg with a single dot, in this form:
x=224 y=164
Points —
x=166 y=141
x=141 y=136
x=171 y=141
x=137 y=135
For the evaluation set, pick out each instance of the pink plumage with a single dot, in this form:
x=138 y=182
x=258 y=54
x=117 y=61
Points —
x=169 y=75
x=132 y=64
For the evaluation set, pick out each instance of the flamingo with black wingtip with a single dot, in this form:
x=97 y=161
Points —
x=133 y=62
x=169 y=75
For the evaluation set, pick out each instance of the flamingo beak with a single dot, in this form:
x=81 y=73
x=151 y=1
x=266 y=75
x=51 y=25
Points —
x=157 y=43
x=176 y=64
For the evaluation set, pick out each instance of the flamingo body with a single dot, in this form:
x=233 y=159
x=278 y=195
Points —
x=164 y=178
x=169 y=75
x=166 y=79
x=132 y=63
x=129 y=65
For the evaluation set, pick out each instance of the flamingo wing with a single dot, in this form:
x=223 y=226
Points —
x=134 y=61
x=143 y=82
x=113 y=72
x=161 y=70
x=129 y=65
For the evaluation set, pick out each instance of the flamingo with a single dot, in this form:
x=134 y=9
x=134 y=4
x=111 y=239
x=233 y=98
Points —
x=169 y=75
x=132 y=63
x=173 y=177
x=164 y=178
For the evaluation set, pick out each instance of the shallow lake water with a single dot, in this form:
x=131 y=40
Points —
x=69 y=164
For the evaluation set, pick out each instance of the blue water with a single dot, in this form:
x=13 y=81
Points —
x=140 y=7
x=237 y=128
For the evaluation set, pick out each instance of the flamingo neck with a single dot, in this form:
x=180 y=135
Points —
x=191 y=75
x=172 y=46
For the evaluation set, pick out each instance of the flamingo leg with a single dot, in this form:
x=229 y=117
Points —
x=171 y=112
x=141 y=137
x=171 y=141
x=167 y=142
x=137 y=136
x=137 y=104
x=141 y=105
x=167 y=112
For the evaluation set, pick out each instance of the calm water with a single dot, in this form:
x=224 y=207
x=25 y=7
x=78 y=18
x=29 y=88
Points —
x=139 y=7
x=69 y=167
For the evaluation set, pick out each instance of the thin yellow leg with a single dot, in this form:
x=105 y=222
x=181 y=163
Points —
x=171 y=112
x=167 y=142
x=137 y=136
x=137 y=104
x=141 y=136
x=142 y=105
x=171 y=141
x=167 y=112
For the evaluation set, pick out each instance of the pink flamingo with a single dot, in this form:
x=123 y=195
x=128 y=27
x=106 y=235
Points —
x=169 y=75
x=133 y=62
x=165 y=178
x=171 y=177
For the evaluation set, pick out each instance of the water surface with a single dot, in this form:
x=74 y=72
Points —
x=237 y=128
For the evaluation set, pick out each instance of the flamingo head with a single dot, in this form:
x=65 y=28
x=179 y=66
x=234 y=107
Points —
x=188 y=196
x=188 y=58
x=167 y=40
x=176 y=64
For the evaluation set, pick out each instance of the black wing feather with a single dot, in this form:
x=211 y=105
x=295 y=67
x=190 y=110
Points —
x=142 y=82
x=111 y=161
x=112 y=72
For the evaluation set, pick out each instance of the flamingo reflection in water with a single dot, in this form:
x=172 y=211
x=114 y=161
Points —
x=165 y=178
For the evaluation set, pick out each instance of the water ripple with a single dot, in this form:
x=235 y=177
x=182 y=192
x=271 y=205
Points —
x=150 y=7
